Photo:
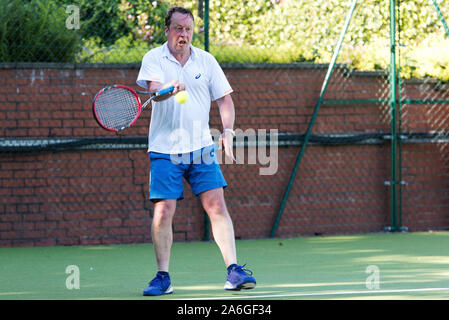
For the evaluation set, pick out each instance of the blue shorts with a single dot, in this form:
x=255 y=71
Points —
x=200 y=169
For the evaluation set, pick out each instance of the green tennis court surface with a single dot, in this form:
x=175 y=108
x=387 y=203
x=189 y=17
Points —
x=374 y=266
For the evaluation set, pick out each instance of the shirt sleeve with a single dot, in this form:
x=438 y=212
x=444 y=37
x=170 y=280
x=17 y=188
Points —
x=150 y=70
x=219 y=85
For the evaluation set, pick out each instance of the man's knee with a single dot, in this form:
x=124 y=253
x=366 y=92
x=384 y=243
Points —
x=215 y=206
x=164 y=211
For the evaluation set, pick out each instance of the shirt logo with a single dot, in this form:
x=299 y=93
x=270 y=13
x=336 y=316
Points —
x=198 y=76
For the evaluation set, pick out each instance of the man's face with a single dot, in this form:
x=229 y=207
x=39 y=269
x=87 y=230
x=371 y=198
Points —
x=180 y=33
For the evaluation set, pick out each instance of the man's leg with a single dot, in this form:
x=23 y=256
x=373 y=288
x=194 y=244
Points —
x=161 y=231
x=223 y=230
x=214 y=204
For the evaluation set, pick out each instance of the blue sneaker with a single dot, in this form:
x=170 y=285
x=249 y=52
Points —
x=239 y=278
x=160 y=285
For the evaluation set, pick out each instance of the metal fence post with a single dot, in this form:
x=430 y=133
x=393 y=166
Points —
x=206 y=48
x=393 y=118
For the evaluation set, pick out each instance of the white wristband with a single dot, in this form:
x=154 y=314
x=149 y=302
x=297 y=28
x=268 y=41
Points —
x=229 y=130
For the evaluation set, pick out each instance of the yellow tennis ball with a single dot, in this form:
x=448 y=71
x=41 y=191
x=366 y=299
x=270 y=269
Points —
x=181 y=96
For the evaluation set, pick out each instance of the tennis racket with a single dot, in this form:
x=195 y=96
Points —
x=117 y=107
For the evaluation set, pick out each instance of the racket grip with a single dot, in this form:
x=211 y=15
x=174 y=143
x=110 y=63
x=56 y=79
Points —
x=165 y=91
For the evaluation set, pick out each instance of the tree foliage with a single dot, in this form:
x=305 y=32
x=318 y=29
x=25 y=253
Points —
x=268 y=31
x=301 y=30
x=38 y=36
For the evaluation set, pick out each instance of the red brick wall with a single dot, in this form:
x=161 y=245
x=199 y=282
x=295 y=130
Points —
x=100 y=196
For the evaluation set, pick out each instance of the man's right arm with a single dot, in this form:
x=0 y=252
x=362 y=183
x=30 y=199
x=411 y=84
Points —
x=156 y=86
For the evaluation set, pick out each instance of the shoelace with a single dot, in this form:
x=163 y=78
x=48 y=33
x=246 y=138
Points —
x=157 y=280
x=247 y=271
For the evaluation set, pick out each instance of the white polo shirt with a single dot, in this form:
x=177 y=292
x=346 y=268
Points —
x=180 y=128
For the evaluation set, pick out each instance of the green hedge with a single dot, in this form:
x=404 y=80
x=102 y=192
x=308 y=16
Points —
x=30 y=30
x=119 y=30
x=254 y=31
x=296 y=31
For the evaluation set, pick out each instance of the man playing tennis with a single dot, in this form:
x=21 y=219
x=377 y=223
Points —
x=180 y=145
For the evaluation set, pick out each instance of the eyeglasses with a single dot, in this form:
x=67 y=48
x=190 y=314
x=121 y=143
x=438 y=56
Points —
x=179 y=29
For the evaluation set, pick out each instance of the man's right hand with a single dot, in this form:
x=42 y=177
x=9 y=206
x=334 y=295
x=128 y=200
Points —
x=156 y=86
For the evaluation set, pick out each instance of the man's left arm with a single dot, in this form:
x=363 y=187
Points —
x=227 y=113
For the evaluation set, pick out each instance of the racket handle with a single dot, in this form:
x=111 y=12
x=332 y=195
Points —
x=165 y=91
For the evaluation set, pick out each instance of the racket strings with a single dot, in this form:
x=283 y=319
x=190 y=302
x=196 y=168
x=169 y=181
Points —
x=117 y=108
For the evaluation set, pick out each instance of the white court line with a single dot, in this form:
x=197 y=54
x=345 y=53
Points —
x=315 y=294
